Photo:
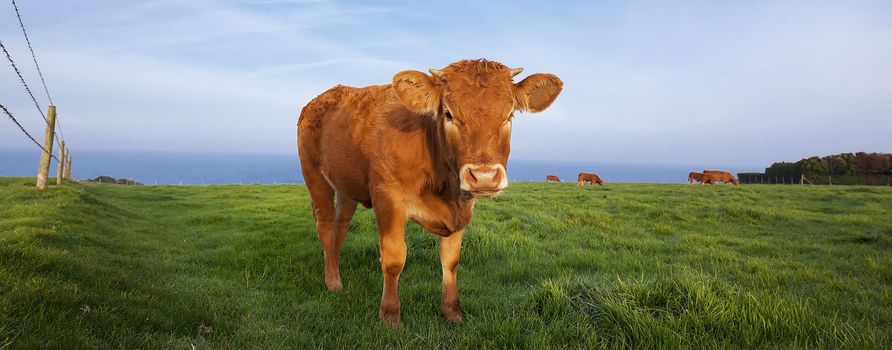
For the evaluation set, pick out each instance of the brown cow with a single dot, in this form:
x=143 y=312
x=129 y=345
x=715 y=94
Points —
x=723 y=176
x=695 y=176
x=711 y=178
x=552 y=178
x=590 y=178
x=422 y=148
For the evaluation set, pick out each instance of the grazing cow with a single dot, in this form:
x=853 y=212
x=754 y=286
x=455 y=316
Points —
x=723 y=176
x=695 y=176
x=552 y=178
x=710 y=178
x=422 y=148
x=590 y=178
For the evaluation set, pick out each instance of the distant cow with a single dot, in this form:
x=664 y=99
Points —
x=552 y=178
x=590 y=178
x=710 y=178
x=423 y=148
x=695 y=176
x=721 y=175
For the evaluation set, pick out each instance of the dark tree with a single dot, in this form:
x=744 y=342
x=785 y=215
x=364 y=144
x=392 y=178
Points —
x=783 y=169
x=862 y=162
x=873 y=163
x=889 y=162
x=813 y=166
x=841 y=164
x=880 y=163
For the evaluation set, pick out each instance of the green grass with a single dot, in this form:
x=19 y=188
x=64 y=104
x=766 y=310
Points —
x=543 y=266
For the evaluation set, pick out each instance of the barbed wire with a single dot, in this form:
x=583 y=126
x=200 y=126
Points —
x=33 y=56
x=28 y=89
x=43 y=115
x=11 y=117
x=59 y=124
x=22 y=79
x=39 y=71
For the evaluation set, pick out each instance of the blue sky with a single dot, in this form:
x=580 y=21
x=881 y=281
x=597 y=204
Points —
x=718 y=82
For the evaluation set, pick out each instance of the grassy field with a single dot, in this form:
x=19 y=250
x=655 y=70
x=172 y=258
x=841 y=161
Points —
x=544 y=265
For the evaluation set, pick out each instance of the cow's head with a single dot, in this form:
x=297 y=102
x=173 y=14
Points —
x=474 y=101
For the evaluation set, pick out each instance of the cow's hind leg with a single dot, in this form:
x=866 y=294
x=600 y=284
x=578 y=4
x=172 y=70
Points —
x=450 y=249
x=322 y=196
x=345 y=207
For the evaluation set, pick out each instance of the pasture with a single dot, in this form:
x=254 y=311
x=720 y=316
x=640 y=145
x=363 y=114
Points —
x=543 y=266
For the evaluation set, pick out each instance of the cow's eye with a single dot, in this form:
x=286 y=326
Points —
x=450 y=119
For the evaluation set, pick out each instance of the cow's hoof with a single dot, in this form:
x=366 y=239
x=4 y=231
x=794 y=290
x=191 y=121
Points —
x=390 y=316
x=334 y=284
x=453 y=313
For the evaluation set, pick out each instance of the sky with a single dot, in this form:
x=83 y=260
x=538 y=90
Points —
x=684 y=82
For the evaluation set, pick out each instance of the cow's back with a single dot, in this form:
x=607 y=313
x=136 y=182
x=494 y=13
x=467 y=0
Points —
x=334 y=134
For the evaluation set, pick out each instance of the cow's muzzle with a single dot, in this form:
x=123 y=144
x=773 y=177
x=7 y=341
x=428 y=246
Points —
x=483 y=180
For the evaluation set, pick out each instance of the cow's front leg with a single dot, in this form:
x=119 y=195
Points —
x=450 y=249
x=391 y=226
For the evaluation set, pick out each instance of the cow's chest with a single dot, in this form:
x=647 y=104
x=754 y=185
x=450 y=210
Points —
x=439 y=216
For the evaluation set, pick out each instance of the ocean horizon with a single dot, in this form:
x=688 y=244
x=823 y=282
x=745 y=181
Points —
x=163 y=168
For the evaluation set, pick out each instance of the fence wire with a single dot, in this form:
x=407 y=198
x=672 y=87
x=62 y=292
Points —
x=39 y=73
x=22 y=79
x=33 y=56
x=11 y=117
x=30 y=93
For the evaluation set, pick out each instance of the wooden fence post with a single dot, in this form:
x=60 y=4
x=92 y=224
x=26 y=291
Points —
x=68 y=167
x=44 y=168
x=60 y=168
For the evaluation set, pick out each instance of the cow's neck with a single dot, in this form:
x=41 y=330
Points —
x=446 y=184
x=446 y=180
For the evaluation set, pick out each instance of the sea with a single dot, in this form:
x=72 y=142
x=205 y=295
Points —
x=163 y=168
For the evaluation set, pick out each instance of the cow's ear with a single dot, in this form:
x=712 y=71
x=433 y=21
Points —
x=537 y=92
x=417 y=91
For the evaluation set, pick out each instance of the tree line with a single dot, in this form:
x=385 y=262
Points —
x=843 y=164
x=860 y=168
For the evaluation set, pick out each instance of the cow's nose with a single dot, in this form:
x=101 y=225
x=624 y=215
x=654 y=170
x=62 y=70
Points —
x=484 y=178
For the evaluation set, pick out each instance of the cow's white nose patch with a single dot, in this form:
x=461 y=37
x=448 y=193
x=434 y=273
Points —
x=473 y=179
